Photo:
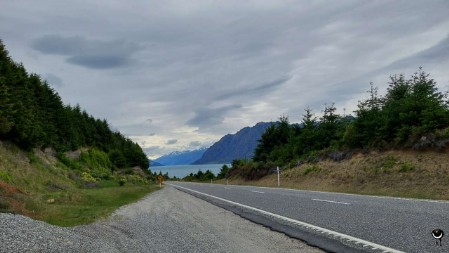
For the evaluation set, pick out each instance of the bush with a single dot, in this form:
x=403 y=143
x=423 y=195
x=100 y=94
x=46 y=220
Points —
x=5 y=176
x=71 y=164
x=406 y=167
x=98 y=162
x=86 y=177
x=389 y=162
x=122 y=181
x=311 y=169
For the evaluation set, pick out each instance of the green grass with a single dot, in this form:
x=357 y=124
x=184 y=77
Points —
x=28 y=181
x=88 y=205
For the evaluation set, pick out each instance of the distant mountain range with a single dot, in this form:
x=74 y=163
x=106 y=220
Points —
x=179 y=157
x=155 y=164
x=240 y=145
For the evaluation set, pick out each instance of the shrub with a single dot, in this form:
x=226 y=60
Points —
x=86 y=177
x=98 y=162
x=122 y=181
x=311 y=169
x=71 y=164
x=406 y=167
x=5 y=176
x=389 y=162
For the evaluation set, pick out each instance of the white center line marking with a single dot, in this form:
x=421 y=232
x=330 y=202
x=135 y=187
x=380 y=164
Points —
x=330 y=201
x=257 y=191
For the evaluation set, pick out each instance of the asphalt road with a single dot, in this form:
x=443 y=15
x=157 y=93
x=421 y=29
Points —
x=387 y=223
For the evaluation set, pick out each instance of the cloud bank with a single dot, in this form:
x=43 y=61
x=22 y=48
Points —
x=176 y=75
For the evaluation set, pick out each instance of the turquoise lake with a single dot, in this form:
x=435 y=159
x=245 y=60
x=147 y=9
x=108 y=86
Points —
x=181 y=171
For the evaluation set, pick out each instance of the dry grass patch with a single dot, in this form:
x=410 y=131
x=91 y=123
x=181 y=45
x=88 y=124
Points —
x=394 y=173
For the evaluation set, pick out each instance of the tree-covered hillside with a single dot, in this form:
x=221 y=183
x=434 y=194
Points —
x=413 y=114
x=32 y=115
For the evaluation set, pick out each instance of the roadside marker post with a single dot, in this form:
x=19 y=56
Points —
x=279 y=182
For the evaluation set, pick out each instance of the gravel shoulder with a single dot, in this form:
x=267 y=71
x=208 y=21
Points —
x=165 y=221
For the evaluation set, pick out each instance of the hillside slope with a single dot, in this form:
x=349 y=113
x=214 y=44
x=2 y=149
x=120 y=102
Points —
x=37 y=184
x=240 y=145
x=57 y=162
x=406 y=173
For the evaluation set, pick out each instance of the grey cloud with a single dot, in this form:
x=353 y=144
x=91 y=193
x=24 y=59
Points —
x=209 y=117
x=171 y=142
x=93 y=54
x=344 y=90
x=98 y=61
x=152 y=149
x=54 y=80
x=435 y=54
x=254 y=91
x=194 y=144
x=55 y=44
x=282 y=55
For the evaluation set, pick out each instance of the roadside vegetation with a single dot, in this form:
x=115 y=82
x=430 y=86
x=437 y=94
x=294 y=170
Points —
x=201 y=176
x=58 y=163
x=394 y=144
x=32 y=115
x=37 y=184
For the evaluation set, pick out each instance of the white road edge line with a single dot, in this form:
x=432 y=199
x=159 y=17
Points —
x=341 y=193
x=331 y=201
x=300 y=223
x=257 y=191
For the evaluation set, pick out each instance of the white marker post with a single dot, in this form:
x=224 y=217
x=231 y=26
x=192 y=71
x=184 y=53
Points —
x=279 y=182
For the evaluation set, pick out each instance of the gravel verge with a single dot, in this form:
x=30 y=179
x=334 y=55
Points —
x=165 y=221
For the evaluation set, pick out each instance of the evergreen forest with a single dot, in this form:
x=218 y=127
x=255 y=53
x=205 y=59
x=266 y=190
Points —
x=413 y=114
x=32 y=115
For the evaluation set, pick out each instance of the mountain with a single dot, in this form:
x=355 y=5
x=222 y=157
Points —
x=240 y=145
x=181 y=157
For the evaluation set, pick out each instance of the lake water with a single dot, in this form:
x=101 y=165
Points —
x=181 y=171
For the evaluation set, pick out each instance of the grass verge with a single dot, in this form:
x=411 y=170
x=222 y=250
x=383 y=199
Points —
x=87 y=205
x=409 y=174
x=38 y=185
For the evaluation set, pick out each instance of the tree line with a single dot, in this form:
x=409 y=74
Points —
x=32 y=115
x=412 y=114
x=200 y=176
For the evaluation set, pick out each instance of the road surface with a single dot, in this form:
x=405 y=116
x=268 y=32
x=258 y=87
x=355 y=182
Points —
x=363 y=223
x=165 y=221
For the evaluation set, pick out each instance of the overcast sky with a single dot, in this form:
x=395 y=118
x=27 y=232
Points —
x=176 y=75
